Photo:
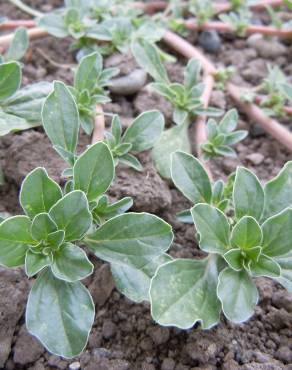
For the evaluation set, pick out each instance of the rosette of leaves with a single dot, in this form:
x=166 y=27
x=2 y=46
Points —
x=222 y=135
x=203 y=11
x=48 y=239
x=20 y=108
x=89 y=86
x=17 y=47
x=185 y=98
x=239 y=21
x=141 y=135
x=248 y=240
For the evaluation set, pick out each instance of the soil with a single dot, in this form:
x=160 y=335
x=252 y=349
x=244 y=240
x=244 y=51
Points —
x=124 y=337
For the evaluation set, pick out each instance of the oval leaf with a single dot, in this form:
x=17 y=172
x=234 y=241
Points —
x=88 y=72
x=10 y=79
x=246 y=233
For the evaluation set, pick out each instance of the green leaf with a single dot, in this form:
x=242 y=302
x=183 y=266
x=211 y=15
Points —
x=71 y=214
x=192 y=73
x=246 y=233
x=60 y=118
x=190 y=177
x=213 y=228
x=10 y=123
x=265 y=266
x=147 y=56
x=183 y=292
x=180 y=116
x=18 y=45
x=278 y=195
x=131 y=161
x=238 y=295
x=285 y=263
x=35 y=262
x=71 y=263
x=60 y=315
x=248 y=195
x=172 y=140
x=131 y=239
x=10 y=79
x=94 y=171
x=88 y=72
x=42 y=226
x=277 y=234
x=144 y=131
x=117 y=208
x=287 y=90
x=56 y=238
x=44 y=195
x=235 y=137
x=53 y=22
x=229 y=121
x=234 y=259
x=185 y=216
x=134 y=282
x=15 y=239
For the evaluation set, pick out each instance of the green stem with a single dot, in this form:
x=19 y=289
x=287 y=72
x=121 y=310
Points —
x=27 y=9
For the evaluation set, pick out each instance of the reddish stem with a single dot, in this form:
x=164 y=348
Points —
x=151 y=7
x=225 y=7
x=224 y=27
x=99 y=125
x=33 y=33
x=274 y=128
x=12 y=24
x=259 y=100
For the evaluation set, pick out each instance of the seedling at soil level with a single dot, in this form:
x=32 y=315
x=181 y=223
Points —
x=48 y=239
x=245 y=237
x=18 y=46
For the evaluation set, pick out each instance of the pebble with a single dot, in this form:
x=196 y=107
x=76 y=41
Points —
x=266 y=48
x=158 y=335
x=255 y=158
x=210 y=41
x=129 y=84
x=168 y=364
x=75 y=365
x=108 y=329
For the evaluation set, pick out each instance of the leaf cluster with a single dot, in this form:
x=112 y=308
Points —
x=239 y=21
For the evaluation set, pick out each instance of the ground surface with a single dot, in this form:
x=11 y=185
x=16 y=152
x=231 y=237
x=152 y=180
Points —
x=124 y=337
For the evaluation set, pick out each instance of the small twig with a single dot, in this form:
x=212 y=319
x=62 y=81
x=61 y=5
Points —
x=278 y=131
x=227 y=28
x=54 y=63
x=27 y=9
x=12 y=24
x=99 y=125
x=33 y=33
x=286 y=109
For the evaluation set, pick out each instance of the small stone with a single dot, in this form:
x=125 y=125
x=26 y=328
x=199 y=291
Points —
x=75 y=365
x=108 y=329
x=266 y=48
x=255 y=158
x=158 y=334
x=129 y=84
x=27 y=348
x=210 y=41
x=168 y=364
x=284 y=354
x=57 y=362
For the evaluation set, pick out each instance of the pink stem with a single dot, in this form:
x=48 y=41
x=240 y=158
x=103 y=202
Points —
x=259 y=100
x=99 y=125
x=12 y=24
x=33 y=33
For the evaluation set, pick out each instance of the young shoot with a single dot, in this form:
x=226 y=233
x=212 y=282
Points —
x=17 y=47
x=248 y=239
x=203 y=10
x=239 y=21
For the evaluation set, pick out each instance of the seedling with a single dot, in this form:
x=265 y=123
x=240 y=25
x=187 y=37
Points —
x=239 y=21
x=18 y=46
x=20 y=108
x=203 y=11
x=222 y=76
x=248 y=239
x=58 y=222
x=221 y=136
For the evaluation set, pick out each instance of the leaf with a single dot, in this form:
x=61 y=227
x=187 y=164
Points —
x=134 y=282
x=60 y=118
x=53 y=22
x=183 y=292
x=131 y=161
x=35 y=262
x=248 y=194
x=88 y=72
x=147 y=56
x=15 y=239
x=18 y=45
x=172 y=140
x=185 y=216
x=229 y=121
x=213 y=228
x=27 y=102
x=278 y=195
x=235 y=137
x=117 y=208
x=192 y=73
x=238 y=295
x=180 y=116
x=60 y=315
x=277 y=234
x=265 y=266
x=285 y=263
x=42 y=226
x=94 y=171
x=71 y=214
x=10 y=79
x=246 y=233
x=131 y=239
x=144 y=131
x=190 y=177
x=234 y=259
x=45 y=194
x=10 y=123
x=71 y=263
x=56 y=238
x=287 y=90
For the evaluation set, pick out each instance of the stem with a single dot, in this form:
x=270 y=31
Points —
x=27 y=9
x=286 y=109
x=99 y=125
x=274 y=128
x=33 y=33
x=260 y=5
x=12 y=24
x=151 y=7
x=224 y=27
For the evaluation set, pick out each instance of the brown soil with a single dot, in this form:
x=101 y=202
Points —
x=124 y=337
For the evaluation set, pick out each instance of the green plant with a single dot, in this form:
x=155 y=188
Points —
x=58 y=222
x=17 y=47
x=239 y=21
x=223 y=76
x=222 y=135
x=20 y=108
x=203 y=11
x=249 y=238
